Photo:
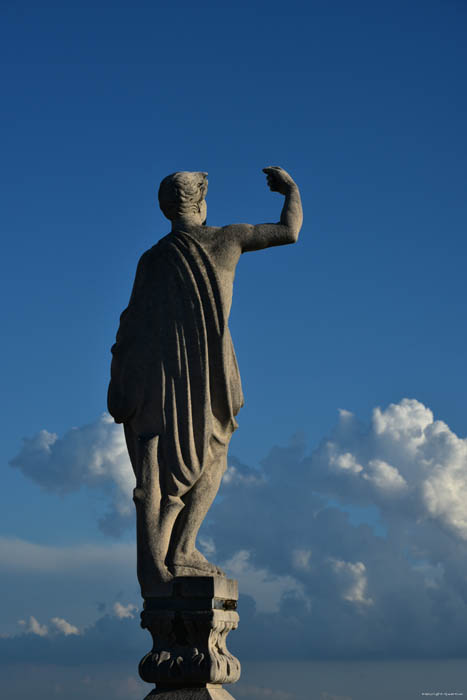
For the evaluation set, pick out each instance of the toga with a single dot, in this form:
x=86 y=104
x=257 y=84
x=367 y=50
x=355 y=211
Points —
x=174 y=372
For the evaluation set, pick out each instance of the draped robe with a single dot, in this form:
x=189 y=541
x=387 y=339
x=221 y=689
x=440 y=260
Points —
x=174 y=372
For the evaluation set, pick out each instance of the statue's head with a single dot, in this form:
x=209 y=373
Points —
x=182 y=194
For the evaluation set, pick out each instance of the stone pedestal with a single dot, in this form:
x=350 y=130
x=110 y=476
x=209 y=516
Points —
x=189 y=619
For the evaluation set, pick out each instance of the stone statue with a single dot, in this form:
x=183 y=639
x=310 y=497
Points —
x=175 y=383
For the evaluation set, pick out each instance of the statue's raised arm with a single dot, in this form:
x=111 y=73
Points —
x=251 y=237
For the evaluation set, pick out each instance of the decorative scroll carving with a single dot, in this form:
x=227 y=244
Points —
x=189 y=647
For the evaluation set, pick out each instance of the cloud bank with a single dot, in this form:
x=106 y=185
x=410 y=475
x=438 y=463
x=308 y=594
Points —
x=315 y=584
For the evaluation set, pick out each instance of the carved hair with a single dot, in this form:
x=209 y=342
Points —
x=181 y=193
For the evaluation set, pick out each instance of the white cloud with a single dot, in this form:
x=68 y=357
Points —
x=345 y=461
x=94 y=456
x=59 y=625
x=207 y=546
x=64 y=627
x=124 y=611
x=384 y=476
x=34 y=627
x=407 y=461
x=234 y=476
x=354 y=580
x=403 y=422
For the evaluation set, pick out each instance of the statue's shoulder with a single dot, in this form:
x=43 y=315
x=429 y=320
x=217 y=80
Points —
x=153 y=254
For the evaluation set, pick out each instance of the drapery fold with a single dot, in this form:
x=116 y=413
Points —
x=174 y=372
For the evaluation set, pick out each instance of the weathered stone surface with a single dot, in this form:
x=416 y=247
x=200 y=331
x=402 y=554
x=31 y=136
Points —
x=189 y=633
x=190 y=647
x=175 y=386
x=175 y=383
x=196 y=587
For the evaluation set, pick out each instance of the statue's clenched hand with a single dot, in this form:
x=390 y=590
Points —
x=247 y=237
x=278 y=179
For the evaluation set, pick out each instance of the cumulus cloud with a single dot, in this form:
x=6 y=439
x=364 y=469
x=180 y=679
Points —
x=32 y=626
x=92 y=456
x=59 y=626
x=347 y=589
x=406 y=462
x=64 y=627
x=235 y=477
x=124 y=611
x=354 y=580
x=317 y=576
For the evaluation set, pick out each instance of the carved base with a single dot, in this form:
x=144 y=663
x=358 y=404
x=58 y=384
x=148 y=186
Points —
x=189 y=619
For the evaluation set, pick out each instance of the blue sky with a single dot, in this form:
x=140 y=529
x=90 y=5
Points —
x=365 y=104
